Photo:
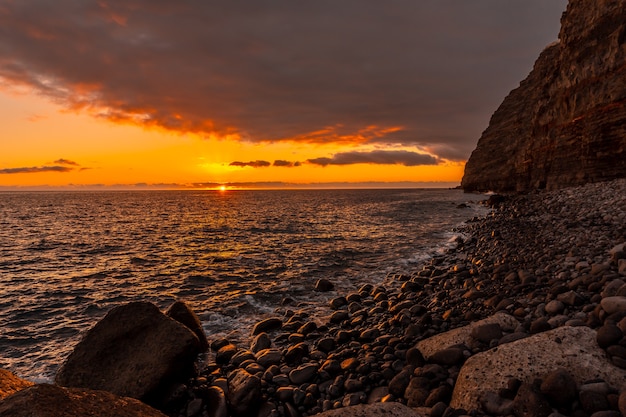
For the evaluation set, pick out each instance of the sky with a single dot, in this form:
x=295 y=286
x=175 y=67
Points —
x=199 y=94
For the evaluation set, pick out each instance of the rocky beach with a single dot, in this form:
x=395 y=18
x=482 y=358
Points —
x=526 y=316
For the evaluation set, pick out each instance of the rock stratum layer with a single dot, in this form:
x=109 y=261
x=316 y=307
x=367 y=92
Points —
x=565 y=124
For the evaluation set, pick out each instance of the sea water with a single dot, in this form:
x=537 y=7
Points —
x=236 y=257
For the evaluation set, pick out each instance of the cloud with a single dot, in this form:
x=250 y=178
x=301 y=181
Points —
x=381 y=157
x=35 y=170
x=427 y=74
x=66 y=162
x=288 y=164
x=253 y=164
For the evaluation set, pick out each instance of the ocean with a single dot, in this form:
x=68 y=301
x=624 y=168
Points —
x=235 y=257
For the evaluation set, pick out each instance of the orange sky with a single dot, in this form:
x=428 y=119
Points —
x=118 y=94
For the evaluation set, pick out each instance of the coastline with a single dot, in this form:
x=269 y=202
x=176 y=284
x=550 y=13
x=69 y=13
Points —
x=544 y=260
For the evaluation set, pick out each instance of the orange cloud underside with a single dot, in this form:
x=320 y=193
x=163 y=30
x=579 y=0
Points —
x=36 y=133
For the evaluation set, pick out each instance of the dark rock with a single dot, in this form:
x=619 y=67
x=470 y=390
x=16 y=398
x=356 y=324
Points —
x=440 y=394
x=134 y=351
x=414 y=357
x=55 y=401
x=324 y=285
x=485 y=333
x=495 y=405
x=183 y=314
x=540 y=325
x=244 y=391
x=593 y=397
x=225 y=354
x=215 y=400
x=449 y=356
x=622 y=403
x=326 y=344
x=560 y=388
x=303 y=373
x=417 y=392
x=260 y=342
x=269 y=357
x=267 y=325
x=400 y=382
x=608 y=335
x=529 y=402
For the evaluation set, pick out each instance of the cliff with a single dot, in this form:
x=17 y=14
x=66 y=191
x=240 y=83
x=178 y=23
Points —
x=565 y=124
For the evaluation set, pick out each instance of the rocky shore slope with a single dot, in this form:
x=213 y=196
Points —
x=525 y=317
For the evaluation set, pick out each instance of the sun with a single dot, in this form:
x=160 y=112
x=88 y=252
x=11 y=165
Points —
x=222 y=188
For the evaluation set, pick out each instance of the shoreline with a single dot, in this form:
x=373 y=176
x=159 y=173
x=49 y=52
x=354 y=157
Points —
x=544 y=260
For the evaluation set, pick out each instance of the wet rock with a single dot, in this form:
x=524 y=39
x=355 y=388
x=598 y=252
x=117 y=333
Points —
x=183 y=314
x=555 y=307
x=324 y=285
x=225 y=353
x=260 y=342
x=134 y=351
x=414 y=357
x=267 y=325
x=571 y=348
x=303 y=373
x=10 y=383
x=55 y=401
x=244 y=391
x=269 y=357
x=215 y=400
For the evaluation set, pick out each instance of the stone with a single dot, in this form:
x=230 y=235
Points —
x=450 y=356
x=267 y=325
x=555 y=307
x=303 y=373
x=485 y=333
x=417 y=392
x=529 y=402
x=493 y=404
x=269 y=357
x=388 y=409
x=462 y=335
x=261 y=341
x=608 y=335
x=11 y=383
x=324 y=285
x=571 y=348
x=225 y=353
x=134 y=351
x=183 y=314
x=560 y=388
x=615 y=304
x=564 y=124
x=244 y=391
x=622 y=402
x=216 y=403
x=55 y=401
x=400 y=382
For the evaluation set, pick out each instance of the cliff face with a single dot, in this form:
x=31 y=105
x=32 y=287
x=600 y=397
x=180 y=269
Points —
x=566 y=122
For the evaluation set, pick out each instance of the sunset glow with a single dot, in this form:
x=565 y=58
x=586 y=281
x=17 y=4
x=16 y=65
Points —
x=119 y=96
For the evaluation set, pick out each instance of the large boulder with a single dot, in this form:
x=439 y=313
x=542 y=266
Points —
x=54 y=401
x=463 y=335
x=573 y=349
x=183 y=314
x=10 y=383
x=134 y=351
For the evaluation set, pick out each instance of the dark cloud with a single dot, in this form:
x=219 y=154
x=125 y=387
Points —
x=405 y=158
x=34 y=170
x=253 y=164
x=288 y=164
x=66 y=162
x=426 y=74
